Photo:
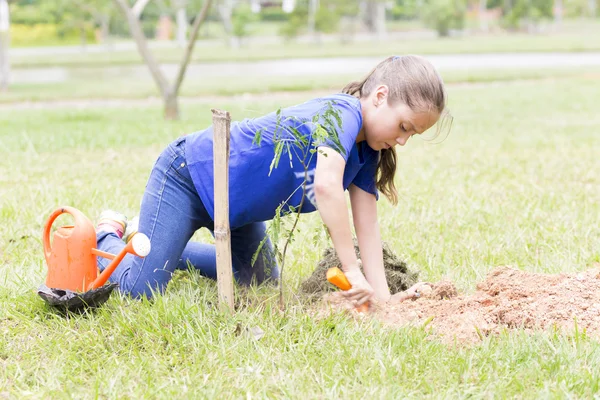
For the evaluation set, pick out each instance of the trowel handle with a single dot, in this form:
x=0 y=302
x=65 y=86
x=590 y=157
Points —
x=139 y=245
x=336 y=277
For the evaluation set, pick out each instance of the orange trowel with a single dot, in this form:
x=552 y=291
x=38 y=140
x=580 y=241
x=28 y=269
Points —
x=336 y=277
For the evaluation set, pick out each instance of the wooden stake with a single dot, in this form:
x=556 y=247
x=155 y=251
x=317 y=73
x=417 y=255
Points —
x=221 y=133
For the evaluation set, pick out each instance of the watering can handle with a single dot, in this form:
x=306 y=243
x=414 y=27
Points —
x=46 y=235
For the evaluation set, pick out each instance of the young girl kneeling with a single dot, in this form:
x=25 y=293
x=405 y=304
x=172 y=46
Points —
x=403 y=96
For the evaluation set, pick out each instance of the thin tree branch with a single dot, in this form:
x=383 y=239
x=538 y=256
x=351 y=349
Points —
x=289 y=238
x=140 y=40
x=138 y=7
x=190 y=47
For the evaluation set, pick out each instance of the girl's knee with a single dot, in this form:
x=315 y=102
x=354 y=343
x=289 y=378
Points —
x=148 y=286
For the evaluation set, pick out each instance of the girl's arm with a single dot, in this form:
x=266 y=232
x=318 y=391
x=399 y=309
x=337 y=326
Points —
x=364 y=212
x=331 y=203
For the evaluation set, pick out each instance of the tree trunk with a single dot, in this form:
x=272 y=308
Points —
x=82 y=36
x=558 y=12
x=198 y=21
x=225 y=9
x=182 y=26
x=288 y=6
x=105 y=29
x=171 y=106
x=483 y=21
x=4 y=45
x=374 y=17
x=592 y=8
x=380 y=28
x=255 y=6
x=138 y=7
x=313 y=7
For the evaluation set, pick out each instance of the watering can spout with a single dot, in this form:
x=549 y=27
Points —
x=139 y=245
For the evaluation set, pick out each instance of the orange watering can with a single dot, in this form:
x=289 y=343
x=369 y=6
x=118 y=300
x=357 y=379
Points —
x=71 y=258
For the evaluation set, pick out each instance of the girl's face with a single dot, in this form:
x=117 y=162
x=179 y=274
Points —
x=385 y=125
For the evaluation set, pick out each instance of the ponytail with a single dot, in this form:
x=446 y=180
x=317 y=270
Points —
x=353 y=88
x=356 y=88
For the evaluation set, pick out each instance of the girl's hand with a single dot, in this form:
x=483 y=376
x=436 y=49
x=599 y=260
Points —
x=414 y=292
x=361 y=291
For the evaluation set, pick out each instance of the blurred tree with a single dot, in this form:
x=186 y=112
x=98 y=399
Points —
x=444 y=15
x=274 y=13
x=89 y=15
x=313 y=8
x=296 y=21
x=322 y=16
x=241 y=18
x=138 y=7
x=225 y=9
x=482 y=13
x=405 y=9
x=373 y=13
x=182 y=21
x=4 y=44
x=593 y=8
x=170 y=93
x=528 y=12
x=236 y=16
x=170 y=10
x=580 y=8
x=558 y=12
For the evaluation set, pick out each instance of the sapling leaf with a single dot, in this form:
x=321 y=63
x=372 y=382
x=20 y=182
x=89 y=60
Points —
x=257 y=137
x=289 y=153
x=324 y=127
x=258 y=250
x=275 y=161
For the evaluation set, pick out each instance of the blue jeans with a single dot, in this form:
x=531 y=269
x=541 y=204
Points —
x=171 y=212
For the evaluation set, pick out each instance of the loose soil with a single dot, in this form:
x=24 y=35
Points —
x=398 y=275
x=508 y=299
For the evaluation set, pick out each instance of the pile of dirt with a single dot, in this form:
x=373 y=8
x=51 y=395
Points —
x=398 y=275
x=507 y=299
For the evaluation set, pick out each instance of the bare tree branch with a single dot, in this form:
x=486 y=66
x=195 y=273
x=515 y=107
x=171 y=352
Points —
x=168 y=92
x=140 y=40
x=138 y=7
x=190 y=47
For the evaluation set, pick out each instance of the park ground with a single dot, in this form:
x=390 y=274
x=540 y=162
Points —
x=516 y=183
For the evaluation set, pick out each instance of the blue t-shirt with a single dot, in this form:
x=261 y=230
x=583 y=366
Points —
x=254 y=194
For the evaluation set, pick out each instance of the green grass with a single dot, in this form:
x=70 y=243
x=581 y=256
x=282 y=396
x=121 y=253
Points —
x=209 y=51
x=516 y=183
x=85 y=84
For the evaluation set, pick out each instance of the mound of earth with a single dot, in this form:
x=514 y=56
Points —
x=507 y=299
x=399 y=277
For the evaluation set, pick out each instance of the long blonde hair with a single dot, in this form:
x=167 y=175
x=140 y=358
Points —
x=413 y=81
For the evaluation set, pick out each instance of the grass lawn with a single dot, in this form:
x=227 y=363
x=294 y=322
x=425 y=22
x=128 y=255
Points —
x=516 y=183
x=584 y=39
x=95 y=83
